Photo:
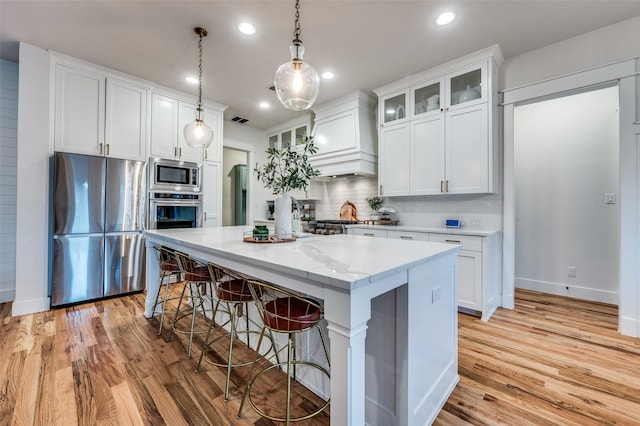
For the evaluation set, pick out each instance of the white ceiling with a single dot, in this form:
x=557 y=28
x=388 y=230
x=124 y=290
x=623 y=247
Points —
x=366 y=43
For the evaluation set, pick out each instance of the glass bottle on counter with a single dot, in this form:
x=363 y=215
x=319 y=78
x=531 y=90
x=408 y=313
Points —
x=295 y=220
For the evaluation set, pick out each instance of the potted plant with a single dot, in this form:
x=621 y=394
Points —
x=287 y=169
x=375 y=203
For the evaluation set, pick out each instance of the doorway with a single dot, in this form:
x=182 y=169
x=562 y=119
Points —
x=234 y=187
x=567 y=180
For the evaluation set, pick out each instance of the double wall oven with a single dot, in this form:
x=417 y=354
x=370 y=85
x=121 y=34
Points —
x=175 y=194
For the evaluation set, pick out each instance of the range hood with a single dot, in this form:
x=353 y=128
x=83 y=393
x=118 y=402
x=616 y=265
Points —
x=345 y=133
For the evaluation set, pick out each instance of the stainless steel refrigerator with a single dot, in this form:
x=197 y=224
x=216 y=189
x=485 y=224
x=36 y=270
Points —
x=98 y=246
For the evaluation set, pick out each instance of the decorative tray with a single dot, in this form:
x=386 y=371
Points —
x=249 y=238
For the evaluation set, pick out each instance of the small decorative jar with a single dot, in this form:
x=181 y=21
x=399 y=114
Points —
x=261 y=233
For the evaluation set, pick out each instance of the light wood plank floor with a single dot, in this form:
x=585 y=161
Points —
x=551 y=361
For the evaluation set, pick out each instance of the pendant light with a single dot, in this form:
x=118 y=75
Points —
x=197 y=134
x=296 y=82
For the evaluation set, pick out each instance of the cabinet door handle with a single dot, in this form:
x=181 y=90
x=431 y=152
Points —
x=405 y=237
x=381 y=189
x=446 y=186
x=441 y=186
x=175 y=151
x=180 y=152
x=107 y=151
x=206 y=154
x=452 y=241
x=205 y=216
x=100 y=148
x=368 y=234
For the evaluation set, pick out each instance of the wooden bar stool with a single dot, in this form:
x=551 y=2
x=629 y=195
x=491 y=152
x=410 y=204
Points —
x=169 y=275
x=285 y=312
x=232 y=290
x=198 y=285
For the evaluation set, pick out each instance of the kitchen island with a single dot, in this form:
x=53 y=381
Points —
x=371 y=384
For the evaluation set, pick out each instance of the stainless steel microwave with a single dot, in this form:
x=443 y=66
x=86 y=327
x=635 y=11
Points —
x=174 y=175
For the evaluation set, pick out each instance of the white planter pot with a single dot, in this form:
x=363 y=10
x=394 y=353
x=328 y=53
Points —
x=283 y=216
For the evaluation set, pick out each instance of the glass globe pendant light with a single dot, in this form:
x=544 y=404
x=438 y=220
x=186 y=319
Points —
x=296 y=82
x=197 y=134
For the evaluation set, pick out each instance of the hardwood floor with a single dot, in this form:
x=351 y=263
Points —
x=551 y=361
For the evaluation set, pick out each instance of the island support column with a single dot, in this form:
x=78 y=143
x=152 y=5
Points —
x=347 y=324
x=153 y=279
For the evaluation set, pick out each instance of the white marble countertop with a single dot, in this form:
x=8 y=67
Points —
x=436 y=230
x=344 y=261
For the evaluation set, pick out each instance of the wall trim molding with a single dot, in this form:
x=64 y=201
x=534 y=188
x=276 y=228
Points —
x=624 y=72
x=30 y=306
x=569 y=290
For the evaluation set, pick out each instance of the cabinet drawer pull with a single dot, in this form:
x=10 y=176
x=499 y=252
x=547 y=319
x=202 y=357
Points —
x=367 y=234
x=406 y=237
x=452 y=241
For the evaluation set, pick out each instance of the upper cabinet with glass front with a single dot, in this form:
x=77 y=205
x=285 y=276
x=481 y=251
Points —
x=291 y=133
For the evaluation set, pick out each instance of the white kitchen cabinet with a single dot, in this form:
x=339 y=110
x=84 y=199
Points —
x=211 y=194
x=97 y=114
x=479 y=282
x=478 y=272
x=169 y=116
x=291 y=133
x=368 y=232
x=408 y=235
x=450 y=112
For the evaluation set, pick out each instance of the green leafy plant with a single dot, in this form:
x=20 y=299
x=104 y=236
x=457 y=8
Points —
x=374 y=202
x=288 y=168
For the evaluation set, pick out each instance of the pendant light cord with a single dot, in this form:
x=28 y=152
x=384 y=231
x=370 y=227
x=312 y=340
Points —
x=199 y=109
x=297 y=30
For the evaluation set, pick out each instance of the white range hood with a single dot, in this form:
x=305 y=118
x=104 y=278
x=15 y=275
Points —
x=346 y=136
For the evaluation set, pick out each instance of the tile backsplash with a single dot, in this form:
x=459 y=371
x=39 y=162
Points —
x=476 y=211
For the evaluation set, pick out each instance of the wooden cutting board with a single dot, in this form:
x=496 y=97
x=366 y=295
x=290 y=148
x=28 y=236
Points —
x=348 y=211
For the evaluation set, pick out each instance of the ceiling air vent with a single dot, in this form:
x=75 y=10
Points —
x=239 y=119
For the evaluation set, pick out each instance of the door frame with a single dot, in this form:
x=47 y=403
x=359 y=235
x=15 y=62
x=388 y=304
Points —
x=249 y=148
x=624 y=74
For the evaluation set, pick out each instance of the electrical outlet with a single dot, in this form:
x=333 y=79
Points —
x=571 y=271
x=610 y=198
x=436 y=294
x=475 y=223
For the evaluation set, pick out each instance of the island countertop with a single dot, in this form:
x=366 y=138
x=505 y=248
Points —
x=397 y=296
x=343 y=261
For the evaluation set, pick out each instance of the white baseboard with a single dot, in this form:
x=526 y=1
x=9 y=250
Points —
x=563 y=289
x=629 y=326
x=31 y=306
x=7 y=295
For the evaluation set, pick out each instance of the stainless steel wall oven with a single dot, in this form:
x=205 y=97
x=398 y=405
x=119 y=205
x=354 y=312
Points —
x=174 y=210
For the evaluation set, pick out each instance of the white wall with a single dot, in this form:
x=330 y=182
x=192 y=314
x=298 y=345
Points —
x=34 y=150
x=566 y=159
x=8 y=170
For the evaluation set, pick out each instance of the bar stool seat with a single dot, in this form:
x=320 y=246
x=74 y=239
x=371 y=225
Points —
x=170 y=275
x=288 y=313
x=233 y=291
x=198 y=289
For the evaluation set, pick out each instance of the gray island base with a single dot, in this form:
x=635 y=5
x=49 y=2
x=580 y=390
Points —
x=390 y=309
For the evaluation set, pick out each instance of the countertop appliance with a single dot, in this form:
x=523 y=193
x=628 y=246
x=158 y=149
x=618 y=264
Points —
x=98 y=213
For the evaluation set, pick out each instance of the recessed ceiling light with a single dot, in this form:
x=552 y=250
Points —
x=328 y=75
x=191 y=79
x=445 y=18
x=264 y=105
x=247 y=28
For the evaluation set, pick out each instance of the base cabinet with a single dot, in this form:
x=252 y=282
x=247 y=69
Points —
x=479 y=282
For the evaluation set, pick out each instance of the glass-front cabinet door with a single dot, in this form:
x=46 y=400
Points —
x=286 y=139
x=301 y=133
x=468 y=86
x=426 y=97
x=394 y=108
x=273 y=141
